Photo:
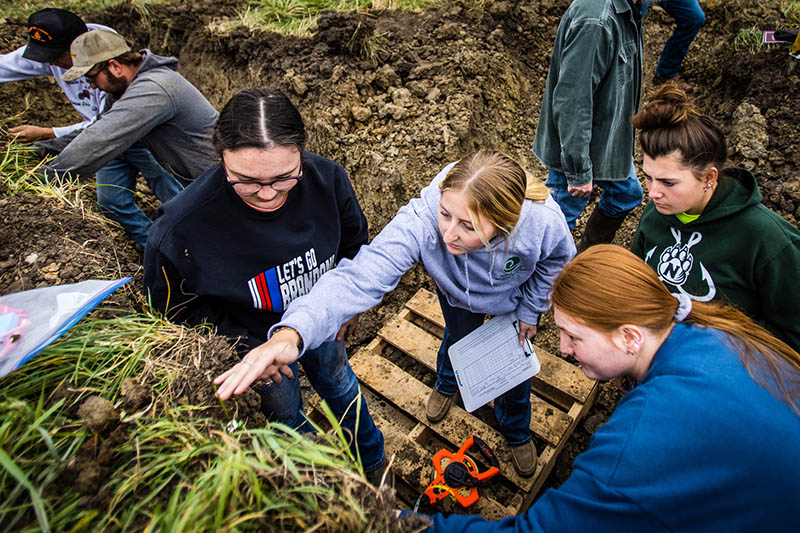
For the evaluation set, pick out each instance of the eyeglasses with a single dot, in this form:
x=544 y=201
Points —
x=253 y=186
x=92 y=78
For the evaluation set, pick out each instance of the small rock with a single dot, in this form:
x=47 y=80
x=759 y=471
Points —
x=30 y=259
x=360 y=113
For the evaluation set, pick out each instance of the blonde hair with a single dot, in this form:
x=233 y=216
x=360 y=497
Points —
x=495 y=186
x=607 y=286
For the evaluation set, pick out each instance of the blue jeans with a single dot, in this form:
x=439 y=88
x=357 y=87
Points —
x=617 y=200
x=116 y=183
x=512 y=409
x=689 y=18
x=329 y=372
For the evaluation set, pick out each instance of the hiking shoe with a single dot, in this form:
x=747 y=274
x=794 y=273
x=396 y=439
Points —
x=524 y=459
x=375 y=477
x=438 y=405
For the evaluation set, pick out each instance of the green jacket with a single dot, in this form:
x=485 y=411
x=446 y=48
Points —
x=593 y=90
x=738 y=252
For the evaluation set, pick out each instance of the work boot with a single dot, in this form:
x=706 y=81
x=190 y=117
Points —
x=600 y=229
x=524 y=459
x=375 y=477
x=438 y=405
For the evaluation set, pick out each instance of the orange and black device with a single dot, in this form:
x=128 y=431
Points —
x=458 y=475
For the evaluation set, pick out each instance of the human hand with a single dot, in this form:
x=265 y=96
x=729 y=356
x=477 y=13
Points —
x=267 y=362
x=28 y=133
x=526 y=331
x=580 y=191
x=348 y=328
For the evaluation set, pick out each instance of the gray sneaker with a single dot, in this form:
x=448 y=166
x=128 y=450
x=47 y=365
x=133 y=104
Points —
x=524 y=459
x=438 y=405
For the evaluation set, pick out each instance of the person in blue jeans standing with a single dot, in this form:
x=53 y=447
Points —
x=689 y=18
x=584 y=135
x=50 y=32
x=491 y=237
x=252 y=234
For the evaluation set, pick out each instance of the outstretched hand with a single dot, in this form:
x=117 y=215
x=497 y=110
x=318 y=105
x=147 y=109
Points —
x=266 y=362
x=28 y=133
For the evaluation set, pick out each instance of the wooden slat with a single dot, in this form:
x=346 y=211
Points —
x=411 y=395
x=546 y=421
x=555 y=371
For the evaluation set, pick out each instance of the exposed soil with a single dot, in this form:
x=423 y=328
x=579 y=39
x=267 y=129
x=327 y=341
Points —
x=394 y=97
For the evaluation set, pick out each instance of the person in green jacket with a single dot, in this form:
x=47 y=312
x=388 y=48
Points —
x=704 y=230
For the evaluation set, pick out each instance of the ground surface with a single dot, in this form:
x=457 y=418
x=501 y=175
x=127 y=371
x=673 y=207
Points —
x=394 y=97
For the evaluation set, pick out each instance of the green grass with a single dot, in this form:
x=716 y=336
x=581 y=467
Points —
x=748 y=39
x=170 y=470
x=791 y=12
x=299 y=17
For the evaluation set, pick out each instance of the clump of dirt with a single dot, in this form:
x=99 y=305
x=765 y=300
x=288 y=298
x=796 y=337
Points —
x=98 y=414
x=134 y=395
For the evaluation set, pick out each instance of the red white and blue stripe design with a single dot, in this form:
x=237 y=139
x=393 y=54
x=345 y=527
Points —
x=265 y=291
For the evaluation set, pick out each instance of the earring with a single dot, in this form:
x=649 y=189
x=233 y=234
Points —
x=708 y=186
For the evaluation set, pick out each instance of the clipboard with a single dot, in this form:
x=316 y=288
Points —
x=489 y=361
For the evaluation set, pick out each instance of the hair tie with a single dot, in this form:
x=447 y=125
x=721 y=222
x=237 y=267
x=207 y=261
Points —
x=684 y=306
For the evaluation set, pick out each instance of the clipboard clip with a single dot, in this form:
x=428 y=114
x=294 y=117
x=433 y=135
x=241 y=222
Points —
x=527 y=347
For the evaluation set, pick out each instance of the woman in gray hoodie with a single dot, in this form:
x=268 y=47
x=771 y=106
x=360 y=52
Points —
x=492 y=239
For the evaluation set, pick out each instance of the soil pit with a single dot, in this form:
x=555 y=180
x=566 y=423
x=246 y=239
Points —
x=394 y=96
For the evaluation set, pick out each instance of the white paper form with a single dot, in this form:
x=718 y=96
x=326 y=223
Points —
x=489 y=361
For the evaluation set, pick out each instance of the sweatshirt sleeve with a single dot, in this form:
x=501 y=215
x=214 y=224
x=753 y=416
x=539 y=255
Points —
x=779 y=295
x=557 y=248
x=167 y=291
x=359 y=284
x=582 y=503
x=143 y=106
x=354 y=223
x=14 y=67
x=584 y=63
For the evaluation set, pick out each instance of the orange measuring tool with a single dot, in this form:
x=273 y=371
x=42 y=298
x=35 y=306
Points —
x=458 y=475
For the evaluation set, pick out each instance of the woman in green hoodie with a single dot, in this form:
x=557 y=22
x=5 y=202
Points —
x=705 y=231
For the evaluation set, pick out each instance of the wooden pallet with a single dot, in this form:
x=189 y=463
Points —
x=561 y=395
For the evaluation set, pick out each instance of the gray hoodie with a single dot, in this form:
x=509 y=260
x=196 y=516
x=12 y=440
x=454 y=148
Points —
x=502 y=281
x=160 y=108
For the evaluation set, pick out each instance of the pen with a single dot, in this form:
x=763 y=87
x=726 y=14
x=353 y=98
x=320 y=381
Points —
x=527 y=343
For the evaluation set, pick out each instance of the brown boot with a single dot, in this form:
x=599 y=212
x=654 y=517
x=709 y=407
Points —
x=383 y=475
x=438 y=405
x=600 y=229
x=524 y=459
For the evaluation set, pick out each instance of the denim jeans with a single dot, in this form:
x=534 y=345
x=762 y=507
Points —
x=617 y=200
x=689 y=18
x=116 y=183
x=512 y=409
x=329 y=372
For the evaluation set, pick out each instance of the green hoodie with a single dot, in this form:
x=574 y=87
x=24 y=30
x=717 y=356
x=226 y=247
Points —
x=738 y=252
